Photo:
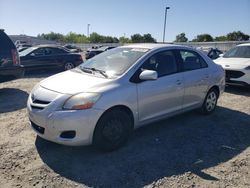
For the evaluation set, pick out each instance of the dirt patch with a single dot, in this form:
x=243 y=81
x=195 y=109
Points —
x=189 y=150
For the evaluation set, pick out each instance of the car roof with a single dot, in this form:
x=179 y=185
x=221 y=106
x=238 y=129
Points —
x=70 y=45
x=245 y=44
x=152 y=45
x=96 y=50
x=49 y=45
x=103 y=47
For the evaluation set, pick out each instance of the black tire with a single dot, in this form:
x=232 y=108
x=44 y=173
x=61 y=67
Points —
x=68 y=66
x=112 y=130
x=210 y=101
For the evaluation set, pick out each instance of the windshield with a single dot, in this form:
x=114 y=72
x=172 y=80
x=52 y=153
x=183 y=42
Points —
x=238 y=52
x=27 y=51
x=114 y=62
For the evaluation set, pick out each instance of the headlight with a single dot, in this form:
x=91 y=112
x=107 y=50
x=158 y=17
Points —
x=81 y=101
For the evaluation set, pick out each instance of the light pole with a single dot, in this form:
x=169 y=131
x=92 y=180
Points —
x=165 y=20
x=88 y=30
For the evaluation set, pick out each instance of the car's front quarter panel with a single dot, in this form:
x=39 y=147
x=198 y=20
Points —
x=124 y=94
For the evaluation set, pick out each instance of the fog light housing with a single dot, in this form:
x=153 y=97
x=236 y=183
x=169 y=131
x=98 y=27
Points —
x=68 y=134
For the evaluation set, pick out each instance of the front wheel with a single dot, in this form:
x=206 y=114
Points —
x=112 y=130
x=210 y=102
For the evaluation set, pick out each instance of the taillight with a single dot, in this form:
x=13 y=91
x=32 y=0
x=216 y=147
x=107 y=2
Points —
x=15 y=57
x=80 y=58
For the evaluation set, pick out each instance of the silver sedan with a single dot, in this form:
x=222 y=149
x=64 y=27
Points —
x=101 y=101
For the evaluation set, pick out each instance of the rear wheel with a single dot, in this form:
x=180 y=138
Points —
x=112 y=130
x=210 y=101
x=68 y=66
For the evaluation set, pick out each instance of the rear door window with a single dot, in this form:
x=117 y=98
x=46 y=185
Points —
x=57 y=51
x=39 y=52
x=192 y=60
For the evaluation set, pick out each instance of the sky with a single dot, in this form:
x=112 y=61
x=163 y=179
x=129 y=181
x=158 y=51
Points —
x=125 y=17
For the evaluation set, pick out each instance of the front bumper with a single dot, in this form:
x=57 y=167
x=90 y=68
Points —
x=239 y=77
x=50 y=124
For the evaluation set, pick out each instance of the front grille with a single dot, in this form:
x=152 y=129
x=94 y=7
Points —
x=234 y=74
x=37 y=128
x=40 y=102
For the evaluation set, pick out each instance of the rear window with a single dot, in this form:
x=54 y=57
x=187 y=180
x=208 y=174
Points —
x=5 y=42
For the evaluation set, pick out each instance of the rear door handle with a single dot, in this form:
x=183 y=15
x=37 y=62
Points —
x=178 y=82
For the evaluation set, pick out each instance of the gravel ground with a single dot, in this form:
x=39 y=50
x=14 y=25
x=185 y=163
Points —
x=189 y=150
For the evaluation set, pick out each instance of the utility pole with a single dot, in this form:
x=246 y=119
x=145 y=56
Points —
x=88 y=30
x=165 y=20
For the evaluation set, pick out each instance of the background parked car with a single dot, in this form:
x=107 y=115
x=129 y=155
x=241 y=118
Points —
x=20 y=43
x=23 y=47
x=72 y=48
x=236 y=63
x=96 y=46
x=213 y=53
x=49 y=57
x=93 y=52
x=10 y=67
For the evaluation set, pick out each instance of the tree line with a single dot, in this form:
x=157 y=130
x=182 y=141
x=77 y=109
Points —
x=233 y=36
x=138 y=38
x=96 y=38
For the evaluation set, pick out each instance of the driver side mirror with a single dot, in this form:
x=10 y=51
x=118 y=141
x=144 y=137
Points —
x=148 y=75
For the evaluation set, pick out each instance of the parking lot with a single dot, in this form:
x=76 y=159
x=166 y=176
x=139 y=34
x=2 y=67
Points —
x=185 y=151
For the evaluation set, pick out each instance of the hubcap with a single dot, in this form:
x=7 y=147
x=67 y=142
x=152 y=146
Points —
x=211 y=101
x=69 y=66
x=113 y=130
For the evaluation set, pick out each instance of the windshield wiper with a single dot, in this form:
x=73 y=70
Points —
x=102 y=72
x=87 y=70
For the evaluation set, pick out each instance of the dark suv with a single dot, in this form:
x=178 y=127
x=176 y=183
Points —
x=10 y=67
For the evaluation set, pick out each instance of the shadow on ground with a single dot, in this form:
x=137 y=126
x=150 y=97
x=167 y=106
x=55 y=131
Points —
x=188 y=142
x=40 y=73
x=12 y=99
x=238 y=90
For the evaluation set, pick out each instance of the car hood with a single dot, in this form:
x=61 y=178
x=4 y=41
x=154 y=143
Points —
x=234 y=63
x=72 y=82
